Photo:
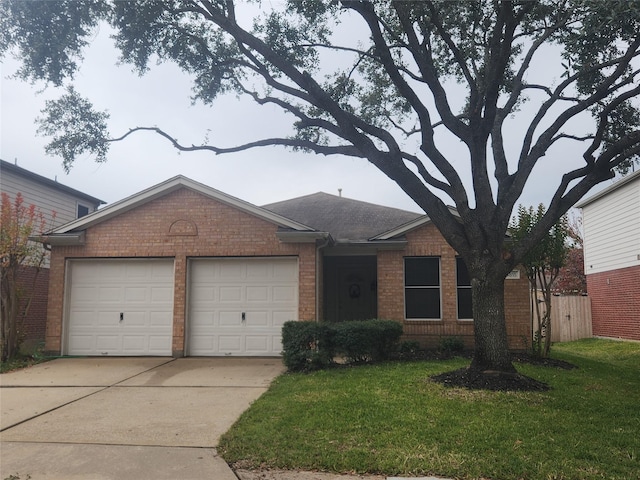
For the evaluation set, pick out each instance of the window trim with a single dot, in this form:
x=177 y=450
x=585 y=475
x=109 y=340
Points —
x=404 y=289
x=78 y=205
x=458 y=287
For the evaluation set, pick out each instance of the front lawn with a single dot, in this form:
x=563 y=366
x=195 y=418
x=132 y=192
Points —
x=390 y=419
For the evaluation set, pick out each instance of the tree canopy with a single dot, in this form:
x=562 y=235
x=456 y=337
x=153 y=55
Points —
x=392 y=82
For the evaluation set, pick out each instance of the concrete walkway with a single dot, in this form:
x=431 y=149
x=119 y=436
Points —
x=125 y=418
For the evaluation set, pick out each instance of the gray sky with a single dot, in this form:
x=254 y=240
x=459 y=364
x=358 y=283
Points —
x=161 y=98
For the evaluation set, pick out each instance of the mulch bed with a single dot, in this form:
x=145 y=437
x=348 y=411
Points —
x=501 y=381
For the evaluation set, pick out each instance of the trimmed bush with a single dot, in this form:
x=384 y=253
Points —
x=451 y=345
x=368 y=340
x=312 y=345
x=307 y=345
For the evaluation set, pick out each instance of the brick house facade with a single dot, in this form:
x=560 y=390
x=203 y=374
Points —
x=184 y=222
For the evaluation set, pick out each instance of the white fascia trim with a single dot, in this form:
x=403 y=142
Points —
x=402 y=229
x=169 y=186
x=623 y=181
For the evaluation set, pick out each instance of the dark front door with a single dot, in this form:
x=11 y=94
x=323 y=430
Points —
x=350 y=288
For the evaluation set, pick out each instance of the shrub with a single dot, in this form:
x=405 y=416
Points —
x=307 y=345
x=452 y=345
x=368 y=340
x=409 y=350
x=312 y=345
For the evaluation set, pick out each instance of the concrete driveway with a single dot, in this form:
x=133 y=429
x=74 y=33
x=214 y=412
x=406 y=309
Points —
x=125 y=418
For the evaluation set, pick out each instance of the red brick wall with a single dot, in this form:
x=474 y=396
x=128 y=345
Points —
x=34 y=283
x=427 y=241
x=615 y=303
x=205 y=228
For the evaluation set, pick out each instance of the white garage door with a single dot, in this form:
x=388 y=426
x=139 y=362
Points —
x=237 y=306
x=120 y=307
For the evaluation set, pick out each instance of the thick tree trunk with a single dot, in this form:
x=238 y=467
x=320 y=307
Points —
x=490 y=330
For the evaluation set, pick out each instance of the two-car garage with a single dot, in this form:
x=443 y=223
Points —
x=235 y=306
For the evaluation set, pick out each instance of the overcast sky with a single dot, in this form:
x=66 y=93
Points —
x=162 y=98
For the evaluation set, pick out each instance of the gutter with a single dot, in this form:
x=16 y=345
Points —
x=60 y=239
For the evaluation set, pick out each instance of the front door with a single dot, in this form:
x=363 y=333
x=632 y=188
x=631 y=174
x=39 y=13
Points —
x=350 y=288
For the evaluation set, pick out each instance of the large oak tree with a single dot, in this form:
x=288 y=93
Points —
x=392 y=82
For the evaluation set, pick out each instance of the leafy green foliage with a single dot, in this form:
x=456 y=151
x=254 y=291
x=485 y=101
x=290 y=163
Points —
x=49 y=36
x=75 y=127
x=367 y=340
x=543 y=263
x=307 y=345
x=313 y=345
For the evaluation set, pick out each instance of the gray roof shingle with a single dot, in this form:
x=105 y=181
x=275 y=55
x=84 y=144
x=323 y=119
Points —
x=345 y=219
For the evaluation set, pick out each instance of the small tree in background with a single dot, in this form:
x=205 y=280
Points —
x=18 y=222
x=543 y=264
x=572 y=279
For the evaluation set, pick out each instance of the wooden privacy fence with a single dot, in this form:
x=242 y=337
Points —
x=570 y=318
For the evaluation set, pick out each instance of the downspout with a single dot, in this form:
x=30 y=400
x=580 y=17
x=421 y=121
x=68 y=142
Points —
x=319 y=257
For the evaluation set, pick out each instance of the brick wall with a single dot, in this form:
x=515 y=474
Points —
x=427 y=241
x=615 y=303
x=179 y=225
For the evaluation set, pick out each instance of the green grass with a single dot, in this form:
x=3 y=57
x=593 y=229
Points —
x=25 y=359
x=390 y=419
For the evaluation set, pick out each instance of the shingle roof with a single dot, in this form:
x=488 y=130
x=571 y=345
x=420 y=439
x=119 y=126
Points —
x=343 y=218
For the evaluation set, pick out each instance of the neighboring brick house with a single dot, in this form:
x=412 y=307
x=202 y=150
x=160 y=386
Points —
x=611 y=221
x=184 y=269
x=48 y=196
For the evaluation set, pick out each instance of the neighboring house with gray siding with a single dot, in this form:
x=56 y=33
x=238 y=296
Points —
x=48 y=196
x=611 y=221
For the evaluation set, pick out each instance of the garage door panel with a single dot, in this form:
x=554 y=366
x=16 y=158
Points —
x=287 y=272
x=139 y=290
x=257 y=271
x=257 y=319
x=162 y=294
x=229 y=271
x=161 y=318
x=230 y=293
x=284 y=294
x=202 y=294
x=258 y=293
x=82 y=317
x=135 y=295
x=134 y=319
x=264 y=289
x=230 y=343
x=134 y=343
x=84 y=295
x=108 y=343
x=257 y=344
x=108 y=319
x=230 y=319
x=110 y=294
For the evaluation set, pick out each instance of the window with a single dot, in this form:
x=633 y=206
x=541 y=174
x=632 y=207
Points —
x=82 y=211
x=422 y=288
x=463 y=283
